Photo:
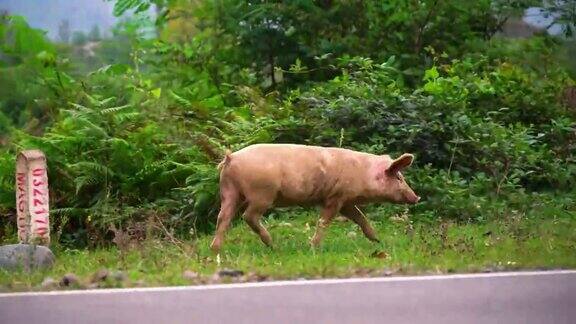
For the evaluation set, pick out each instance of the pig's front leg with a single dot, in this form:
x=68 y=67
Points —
x=326 y=216
x=354 y=214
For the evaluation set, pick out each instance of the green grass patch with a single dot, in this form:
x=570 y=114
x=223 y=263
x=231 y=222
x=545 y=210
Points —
x=405 y=248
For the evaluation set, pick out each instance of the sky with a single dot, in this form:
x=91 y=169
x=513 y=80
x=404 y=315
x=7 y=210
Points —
x=534 y=17
x=47 y=14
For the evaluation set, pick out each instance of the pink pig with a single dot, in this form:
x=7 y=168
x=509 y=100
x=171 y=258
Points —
x=264 y=175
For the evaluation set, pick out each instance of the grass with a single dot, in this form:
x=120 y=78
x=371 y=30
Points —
x=405 y=248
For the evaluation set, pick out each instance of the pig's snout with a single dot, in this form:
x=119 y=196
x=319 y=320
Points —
x=413 y=199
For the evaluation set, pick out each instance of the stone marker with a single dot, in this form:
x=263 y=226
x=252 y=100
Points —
x=32 y=207
x=25 y=256
x=32 y=198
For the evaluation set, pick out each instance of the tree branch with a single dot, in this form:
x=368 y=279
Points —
x=418 y=38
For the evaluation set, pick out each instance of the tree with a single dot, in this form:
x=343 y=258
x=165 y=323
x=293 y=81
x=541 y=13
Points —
x=64 y=31
x=310 y=35
x=94 y=34
x=79 y=38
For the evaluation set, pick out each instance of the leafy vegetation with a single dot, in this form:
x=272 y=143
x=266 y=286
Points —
x=134 y=126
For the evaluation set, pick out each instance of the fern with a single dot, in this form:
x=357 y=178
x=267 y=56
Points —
x=80 y=109
x=103 y=103
x=92 y=167
x=92 y=128
x=114 y=110
x=126 y=117
x=87 y=181
x=67 y=211
x=91 y=174
x=181 y=100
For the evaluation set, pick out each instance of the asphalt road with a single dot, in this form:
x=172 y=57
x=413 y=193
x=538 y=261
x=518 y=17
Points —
x=521 y=297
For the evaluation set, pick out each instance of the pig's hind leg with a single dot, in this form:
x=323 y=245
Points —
x=229 y=203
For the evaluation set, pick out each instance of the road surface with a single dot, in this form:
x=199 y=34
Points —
x=520 y=297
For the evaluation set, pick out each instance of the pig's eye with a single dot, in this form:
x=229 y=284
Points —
x=398 y=176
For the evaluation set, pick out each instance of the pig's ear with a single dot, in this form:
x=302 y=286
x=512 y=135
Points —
x=404 y=161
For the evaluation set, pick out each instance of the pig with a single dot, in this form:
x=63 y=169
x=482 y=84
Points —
x=261 y=176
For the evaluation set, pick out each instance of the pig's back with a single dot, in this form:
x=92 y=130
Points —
x=295 y=174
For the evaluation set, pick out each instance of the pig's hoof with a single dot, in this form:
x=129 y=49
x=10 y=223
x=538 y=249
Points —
x=215 y=246
x=314 y=244
x=267 y=242
x=375 y=240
